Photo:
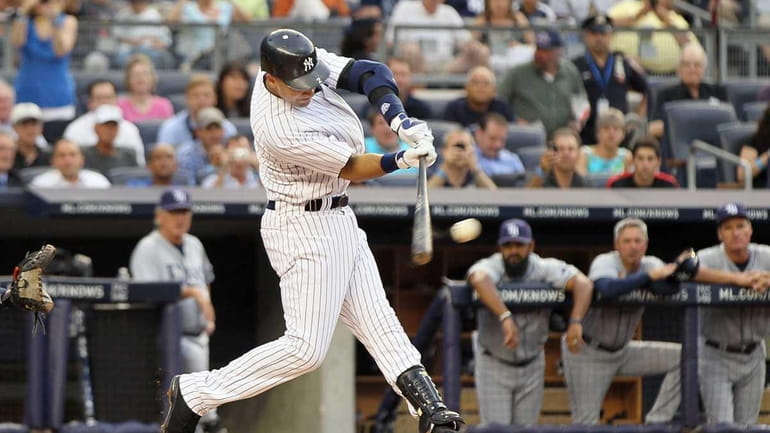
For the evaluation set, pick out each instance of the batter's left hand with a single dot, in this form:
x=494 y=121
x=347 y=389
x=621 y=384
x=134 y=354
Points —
x=413 y=131
x=411 y=157
x=575 y=337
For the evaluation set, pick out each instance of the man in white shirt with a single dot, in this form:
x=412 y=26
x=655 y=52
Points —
x=434 y=48
x=81 y=130
x=68 y=170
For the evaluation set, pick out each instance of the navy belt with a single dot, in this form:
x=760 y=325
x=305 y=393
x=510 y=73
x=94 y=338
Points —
x=317 y=204
x=518 y=364
x=744 y=349
x=604 y=347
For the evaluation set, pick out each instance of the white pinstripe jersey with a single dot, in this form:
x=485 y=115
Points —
x=301 y=150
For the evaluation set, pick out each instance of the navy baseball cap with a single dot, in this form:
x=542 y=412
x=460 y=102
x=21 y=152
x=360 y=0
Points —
x=175 y=199
x=548 y=39
x=597 y=24
x=730 y=210
x=514 y=230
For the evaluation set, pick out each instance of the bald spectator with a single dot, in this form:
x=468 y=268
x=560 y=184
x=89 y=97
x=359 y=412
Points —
x=459 y=167
x=8 y=176
x=691 y=71
x=558 y=165
x=402 y=72
x=68 y=171
x=199 y=94
x=433 y=50
x=81 y=130
x=105 y=154
x=163 y=169
x=548 y=89
x=479 y=99
x=7 y=100
x=27 y=120
x=493 y=158
x=235 y=172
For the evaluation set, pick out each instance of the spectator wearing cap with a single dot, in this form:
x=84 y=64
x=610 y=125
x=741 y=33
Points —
x=68 y=171
x=691 y=86
x=510 y=360
x=171 y=253
x=402 y=73
x=547 y=89
x=81 y=130
x=646 y=164
x=27 y=120
x=492 y=156
x=559 y=163
x=480 y=98
x=199 y=94
x=656 y=52
x=607 y=75
x=433 y=50
x=8 y=176
x=203 y=155
x=459 y=167
x=162 y=165
x=152 y=40
x=105 y=154
x=731 y=344
x=606 y=157
x=234 y=173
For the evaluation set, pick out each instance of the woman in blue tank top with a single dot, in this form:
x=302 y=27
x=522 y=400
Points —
x=606 y=157
x=45 y=37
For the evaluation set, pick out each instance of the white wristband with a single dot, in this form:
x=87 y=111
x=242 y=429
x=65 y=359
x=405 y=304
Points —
x=504 y=316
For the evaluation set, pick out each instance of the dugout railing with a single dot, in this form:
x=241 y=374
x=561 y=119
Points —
x=457 y=296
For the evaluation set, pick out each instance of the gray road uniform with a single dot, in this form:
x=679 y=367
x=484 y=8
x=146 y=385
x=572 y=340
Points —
x=156 y=259
x=609 y=351
x=732 y=348
x=509 y=382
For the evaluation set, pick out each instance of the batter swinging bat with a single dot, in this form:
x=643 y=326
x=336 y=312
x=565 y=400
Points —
x=422 y=231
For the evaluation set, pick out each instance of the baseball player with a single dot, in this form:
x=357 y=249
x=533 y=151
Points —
x=170 y=253
x=608 y=350
x=310 y=145
x=510 y=359
x=731 y=344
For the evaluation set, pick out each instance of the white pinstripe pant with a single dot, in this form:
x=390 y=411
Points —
x=327 y=272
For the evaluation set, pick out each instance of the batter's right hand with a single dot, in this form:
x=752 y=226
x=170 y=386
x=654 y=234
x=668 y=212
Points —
x=413 y=131
x=411 y=157
x=510 y=333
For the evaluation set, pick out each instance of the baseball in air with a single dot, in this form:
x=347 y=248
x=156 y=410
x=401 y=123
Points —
x=465 y=230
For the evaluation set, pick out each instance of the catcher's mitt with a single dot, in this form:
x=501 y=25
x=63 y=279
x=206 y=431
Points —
x=26 y=288
x=687 y=264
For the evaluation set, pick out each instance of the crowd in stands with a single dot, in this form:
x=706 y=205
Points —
x=519 y=76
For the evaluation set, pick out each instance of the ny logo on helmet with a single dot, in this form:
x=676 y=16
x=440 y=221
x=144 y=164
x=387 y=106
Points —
x=308 y=64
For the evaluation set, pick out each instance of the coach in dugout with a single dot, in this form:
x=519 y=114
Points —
x=510 y=359
x=608 y=349
x=731 y=344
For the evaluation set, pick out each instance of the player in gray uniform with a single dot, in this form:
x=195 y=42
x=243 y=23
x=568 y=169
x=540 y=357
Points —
x=170 y=253
x=310 y=145
x=608 y=330
x=510 y=359
x=731 y=345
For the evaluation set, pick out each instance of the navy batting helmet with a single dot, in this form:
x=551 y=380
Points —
x=290 y=56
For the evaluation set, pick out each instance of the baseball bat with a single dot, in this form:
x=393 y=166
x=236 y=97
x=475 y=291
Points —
x=422 y=231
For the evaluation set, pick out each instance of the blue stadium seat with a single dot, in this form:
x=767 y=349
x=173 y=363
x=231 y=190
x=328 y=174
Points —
x=358 y=102
x=120 y=175
x=148 y=130
x=524 y=136
x=440 y=129
x=29 y=173
x=743 y=91
x=509 y=180
x=177 y=101
x=243 y=125
x=732 y=136
x=172 y=81
x=654 y=86
x=695 y=120
x=530 y=156
x=752 y=111
x=598 y=180
x=437 y=105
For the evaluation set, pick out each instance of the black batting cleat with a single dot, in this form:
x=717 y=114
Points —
x=180 y=418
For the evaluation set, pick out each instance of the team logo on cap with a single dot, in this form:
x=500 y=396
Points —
x=512 y=229
x=308 y=64
x=731 y=209
x=179 y=195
